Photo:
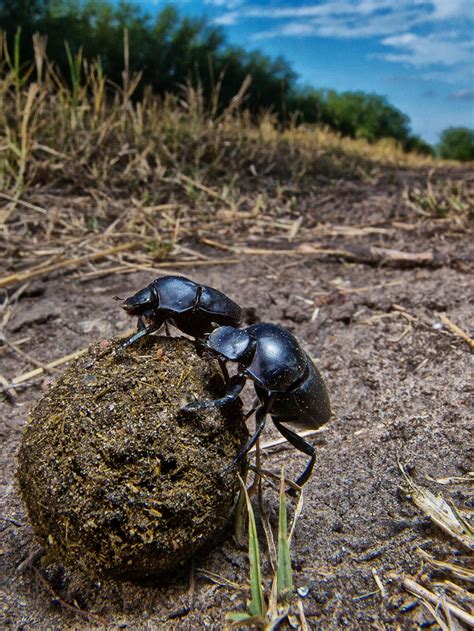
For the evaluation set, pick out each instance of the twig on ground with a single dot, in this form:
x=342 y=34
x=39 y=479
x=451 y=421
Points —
x=22 y=202
x=10 y=520
x=274 y=476
x=118 y=269
x=30 y=559
x=371 y=255
x=40 y=371
x=14 y=347
x=462 y=573
x=19 y=342
x=43 y=270
x=214 y=261
x=219 y=580
x=209 y=191
x=65 y=605
x=304 y=624
x=456 y=330
x=7 y=389
x=365 y=596
x=379 y=583
x=282 y=441
x=441 y=512
x=425 y=594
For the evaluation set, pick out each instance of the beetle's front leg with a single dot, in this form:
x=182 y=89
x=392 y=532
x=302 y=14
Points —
x=234 y=388
x=143 y=329
x=141 y=324
x=137 y=336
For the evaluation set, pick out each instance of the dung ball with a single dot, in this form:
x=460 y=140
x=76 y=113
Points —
x=117 y=480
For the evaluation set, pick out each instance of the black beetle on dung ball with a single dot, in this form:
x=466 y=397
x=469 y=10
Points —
x=287 y=383
x=194 y=309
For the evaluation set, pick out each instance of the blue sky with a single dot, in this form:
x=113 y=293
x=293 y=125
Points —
x=417 y=53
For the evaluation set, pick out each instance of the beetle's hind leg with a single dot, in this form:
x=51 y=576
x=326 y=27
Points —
x=301 y=445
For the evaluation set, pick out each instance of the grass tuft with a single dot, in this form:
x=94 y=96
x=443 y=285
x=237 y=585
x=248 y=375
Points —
x=282 y=594
x=284 y=573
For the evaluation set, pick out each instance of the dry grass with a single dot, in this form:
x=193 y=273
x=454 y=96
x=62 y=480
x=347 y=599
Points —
x=448 y=198
x=85 y=168
x=89 y=133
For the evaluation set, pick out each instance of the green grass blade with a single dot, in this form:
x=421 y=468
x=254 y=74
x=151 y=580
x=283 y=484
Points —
x=75 y=65
x=16 y=56
x=239 y=520
x=284 y=572
x=246 y=620
x=257 y=604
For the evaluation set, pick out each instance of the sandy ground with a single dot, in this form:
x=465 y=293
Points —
x=400 y=388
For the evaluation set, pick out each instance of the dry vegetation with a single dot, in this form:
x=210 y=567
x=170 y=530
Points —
x=89 y=132
x=143 y=174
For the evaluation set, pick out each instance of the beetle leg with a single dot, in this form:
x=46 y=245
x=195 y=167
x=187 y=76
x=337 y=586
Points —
x=167 y=329
x=141 y=326
x=223 y=367
x=255 y=405
x=143 y=330
x=137 y=336
x=302 y=445
x=260 y=418
x=234 y=388
x=200 y=346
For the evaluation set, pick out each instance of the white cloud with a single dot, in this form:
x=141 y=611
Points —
x=454 y=75
x=225 y=4
x=445 y=9
x=343 y=25
x=337 y=8
x=396 y=24
x=227 y=19
x=462 y=95
x=428 y=50
x=431 y=9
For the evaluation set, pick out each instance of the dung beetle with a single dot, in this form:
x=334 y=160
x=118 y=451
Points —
x=193 y=308
x=287 y=383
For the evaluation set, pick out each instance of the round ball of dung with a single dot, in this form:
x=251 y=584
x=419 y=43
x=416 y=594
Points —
x=117 y=479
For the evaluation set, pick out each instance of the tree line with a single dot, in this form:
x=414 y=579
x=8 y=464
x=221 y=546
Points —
x=170 y=50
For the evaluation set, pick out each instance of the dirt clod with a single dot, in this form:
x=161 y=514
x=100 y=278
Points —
x=116 y=478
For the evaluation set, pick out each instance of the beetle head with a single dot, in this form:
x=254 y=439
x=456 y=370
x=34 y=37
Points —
x=142 y=301
x=231 y=343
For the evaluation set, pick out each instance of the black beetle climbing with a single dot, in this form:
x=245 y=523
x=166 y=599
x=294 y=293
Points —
x=193 y=308
x=287 y=383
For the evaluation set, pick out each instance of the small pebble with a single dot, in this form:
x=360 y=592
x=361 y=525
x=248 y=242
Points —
x=303 y=591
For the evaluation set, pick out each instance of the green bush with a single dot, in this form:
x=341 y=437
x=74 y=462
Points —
x=457 y=143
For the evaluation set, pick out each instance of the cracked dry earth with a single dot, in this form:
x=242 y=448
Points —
x=400 y=386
